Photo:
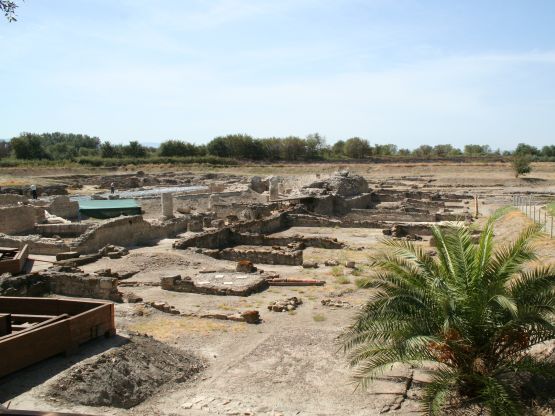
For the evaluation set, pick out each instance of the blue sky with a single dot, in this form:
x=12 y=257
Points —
x=392 y=71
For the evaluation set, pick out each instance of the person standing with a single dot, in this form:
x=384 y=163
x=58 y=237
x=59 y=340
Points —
x=34 y=191
x=112 y=188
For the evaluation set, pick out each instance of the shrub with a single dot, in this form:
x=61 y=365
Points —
x=473 y=312
x=521 y=164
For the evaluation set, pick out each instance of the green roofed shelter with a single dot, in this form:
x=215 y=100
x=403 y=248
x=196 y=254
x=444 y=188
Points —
x=109 y=208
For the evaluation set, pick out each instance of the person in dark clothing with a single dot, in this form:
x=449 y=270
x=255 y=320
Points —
x=112 y=188
x=34 y=191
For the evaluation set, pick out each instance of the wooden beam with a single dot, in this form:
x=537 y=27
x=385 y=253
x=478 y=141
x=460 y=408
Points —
x=17 y=317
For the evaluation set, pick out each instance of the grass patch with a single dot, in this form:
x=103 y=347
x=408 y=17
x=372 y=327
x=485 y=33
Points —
x=342 y=280
x=357 y=271
x=319 y=317
x=501 y=212
x=362 y=282
x=167 y=328
x=337 y=271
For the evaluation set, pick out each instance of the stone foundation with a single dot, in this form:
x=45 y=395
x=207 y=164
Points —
x=225 y=283
x=264 y=255
x=61 y=283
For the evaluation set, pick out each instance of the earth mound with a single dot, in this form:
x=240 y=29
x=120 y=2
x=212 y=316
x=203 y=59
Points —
x=125 y=376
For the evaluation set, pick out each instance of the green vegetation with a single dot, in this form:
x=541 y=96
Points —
x=337 y=271
x=362 y=282
x=472 y=312
x=342 y=280
x=521 y=164
x=319 y=317
x=85 y=149
x=8 y=8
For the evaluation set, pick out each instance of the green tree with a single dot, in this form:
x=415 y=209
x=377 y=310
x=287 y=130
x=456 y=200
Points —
x=28 y=146
x=356 y=148
x=476 y=150
x=423 y=151
x=472 y=312
x=337 y=148
x=315 y=144
x=526 y=149
x=239 y=146
x=444 y=150
x=271 y=147
x=548 y=151
x=177 y=148
x=134 y=149
x=521 y=164
x=5 y=148
x=8 y=8
x=385 y=149
x=293 y=148
x=108 y=150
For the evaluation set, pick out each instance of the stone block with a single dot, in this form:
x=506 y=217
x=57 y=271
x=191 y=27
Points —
x=107 y=283
x=67 y=255
x=168 y=282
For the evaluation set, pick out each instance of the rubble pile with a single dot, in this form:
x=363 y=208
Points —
x=285 y=305
x=341 y=183
x=125 y=376
x=335 y=303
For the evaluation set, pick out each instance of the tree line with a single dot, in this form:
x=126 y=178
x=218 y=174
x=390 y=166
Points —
x=68 y=146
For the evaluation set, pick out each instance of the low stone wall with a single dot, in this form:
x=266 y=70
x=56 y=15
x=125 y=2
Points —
x=259 y=256
x=10 y=199
x=37 y=244
x=127 y=231
x=384 y=215
x=270 y=225
x=214 y=239
x=263 y=240
x=252 y=283
x=62 y=230
x=307 y=220
x=363 y=201
x=228 y=236
x=60 y=283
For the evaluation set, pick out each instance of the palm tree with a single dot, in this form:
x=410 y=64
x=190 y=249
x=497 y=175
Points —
x=468 y=314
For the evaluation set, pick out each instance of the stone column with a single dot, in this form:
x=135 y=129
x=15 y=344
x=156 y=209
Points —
x=211 y=200
x=274 y=188
x=167 y=205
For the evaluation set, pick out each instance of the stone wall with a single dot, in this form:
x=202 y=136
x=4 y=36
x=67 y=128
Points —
x=263 y=240
x=127 y=231
x=63 y=207
x=385 y=215
x=62 y=230
x=214 y=239
x=259 y=256
x=19 y=219
x=12 y=199
x=37 y=244
x=60 y=283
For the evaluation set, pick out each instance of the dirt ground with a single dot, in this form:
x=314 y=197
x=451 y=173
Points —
x=291 y=363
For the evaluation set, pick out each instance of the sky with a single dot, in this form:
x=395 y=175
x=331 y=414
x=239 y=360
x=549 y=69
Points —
x=407 y=72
